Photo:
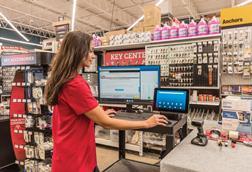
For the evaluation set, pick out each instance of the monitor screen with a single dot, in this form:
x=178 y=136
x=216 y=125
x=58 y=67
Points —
x=128 y=84
x=171 y=100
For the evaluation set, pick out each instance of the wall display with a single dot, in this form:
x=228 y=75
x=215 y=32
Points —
x=187 y=64
x=124 y=58
x=8 y=76
x=237 y=51
x=237 y=61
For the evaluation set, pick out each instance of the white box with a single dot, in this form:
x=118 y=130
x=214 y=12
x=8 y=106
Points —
x=237 y=114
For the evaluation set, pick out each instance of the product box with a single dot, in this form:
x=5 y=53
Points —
x=104 y=40
x=138 y=29
x=116 y=32
x=149 y=29
x=237 y=114
x=152 y=15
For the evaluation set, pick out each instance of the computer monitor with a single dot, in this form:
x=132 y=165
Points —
x=128 y=84
x=171 y=100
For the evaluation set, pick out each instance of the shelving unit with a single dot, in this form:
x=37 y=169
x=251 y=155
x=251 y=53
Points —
x=205 y=103
x=142 y=45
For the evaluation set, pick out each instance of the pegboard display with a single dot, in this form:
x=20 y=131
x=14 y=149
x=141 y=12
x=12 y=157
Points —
x=237 y=52
x=187 y=64
x=236 y=77
x=8 y=76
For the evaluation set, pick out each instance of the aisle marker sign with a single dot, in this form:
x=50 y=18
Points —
x=236 y=16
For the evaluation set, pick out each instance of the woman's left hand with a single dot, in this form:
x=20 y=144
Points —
x=110 y=112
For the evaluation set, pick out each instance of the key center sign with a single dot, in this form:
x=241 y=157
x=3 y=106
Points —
x=125 y=58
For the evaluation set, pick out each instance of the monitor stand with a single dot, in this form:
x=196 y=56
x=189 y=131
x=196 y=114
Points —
x=171 y=115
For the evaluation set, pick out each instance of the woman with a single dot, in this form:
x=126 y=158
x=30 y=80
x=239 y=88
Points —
x=75 y=109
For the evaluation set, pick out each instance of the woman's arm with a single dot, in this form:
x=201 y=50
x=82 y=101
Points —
x=99 y=116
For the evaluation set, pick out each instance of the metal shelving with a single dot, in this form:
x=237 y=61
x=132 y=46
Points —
x=142 y=45
x=206 y=103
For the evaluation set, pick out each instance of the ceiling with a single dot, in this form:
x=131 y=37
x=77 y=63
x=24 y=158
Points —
x=97 y=15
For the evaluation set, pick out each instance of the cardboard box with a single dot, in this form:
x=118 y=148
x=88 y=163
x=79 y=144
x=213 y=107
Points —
x=152 y=15
x=237 y=114
x=105 y=40
x=149 y=29
x=138 y=29
x=116 y=32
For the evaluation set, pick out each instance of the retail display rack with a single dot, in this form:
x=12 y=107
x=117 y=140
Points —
x=30 y=118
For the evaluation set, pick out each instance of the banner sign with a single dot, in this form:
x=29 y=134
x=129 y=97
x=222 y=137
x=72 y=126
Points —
x=125 y=58
x=19 y=59
x=236 y=16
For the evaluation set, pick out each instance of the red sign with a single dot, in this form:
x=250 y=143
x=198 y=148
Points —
x=124 y=58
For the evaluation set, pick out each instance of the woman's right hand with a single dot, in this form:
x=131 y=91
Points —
x=155 y=120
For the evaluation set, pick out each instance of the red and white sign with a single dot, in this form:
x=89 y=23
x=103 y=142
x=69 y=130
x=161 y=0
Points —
x=125 y=58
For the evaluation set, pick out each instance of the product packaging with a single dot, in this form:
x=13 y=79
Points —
x=202 y=27
x=214 y=26
x=174 y=31
x=183 y=30
x=165 y=33
x=157 y=33
x=192 y=28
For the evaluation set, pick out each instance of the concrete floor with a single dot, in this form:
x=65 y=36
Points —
x=107 y=156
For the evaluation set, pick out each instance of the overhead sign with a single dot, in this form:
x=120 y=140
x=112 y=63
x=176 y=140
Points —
x=237 y=16
x=19 y=59
x=125 y=58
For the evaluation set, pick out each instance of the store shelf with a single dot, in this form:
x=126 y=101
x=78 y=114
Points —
x=115 y=144
x=187 y=38
x=142 y=45
x=205 y=103
x=196 y=88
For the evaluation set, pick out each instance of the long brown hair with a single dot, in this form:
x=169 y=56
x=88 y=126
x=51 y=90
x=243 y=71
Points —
x=74 y=48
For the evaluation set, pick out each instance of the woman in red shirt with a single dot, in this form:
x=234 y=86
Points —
x=75 y=109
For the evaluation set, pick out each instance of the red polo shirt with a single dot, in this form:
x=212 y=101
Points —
x=73 y=133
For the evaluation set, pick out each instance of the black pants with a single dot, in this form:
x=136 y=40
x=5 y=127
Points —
x=96 y=169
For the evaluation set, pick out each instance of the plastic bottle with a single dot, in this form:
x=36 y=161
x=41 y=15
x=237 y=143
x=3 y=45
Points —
x=157 y=33
x=202 y=27
x=174 y=31
x=165 y=33
x=214 y=26
x=183 y=30
x=94 y=40
x=192 y=28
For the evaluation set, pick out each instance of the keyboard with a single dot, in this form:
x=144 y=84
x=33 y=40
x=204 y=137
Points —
x=132 y=115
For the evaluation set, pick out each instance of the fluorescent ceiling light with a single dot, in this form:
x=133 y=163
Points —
x=21 y=42
x=159 y=2
x=142 y=17
x=73 y=14
x=13 y=27
x=244 y=3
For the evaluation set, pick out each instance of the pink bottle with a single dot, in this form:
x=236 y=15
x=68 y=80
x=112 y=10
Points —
x=165 y=33
x=192 y=28
x=157 y=33
x=202 y=27
x=174 y=31
x=183 y=30
x=214 y=26
x=94 y=40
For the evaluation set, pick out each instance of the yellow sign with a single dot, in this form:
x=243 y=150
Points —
x=236 y=16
